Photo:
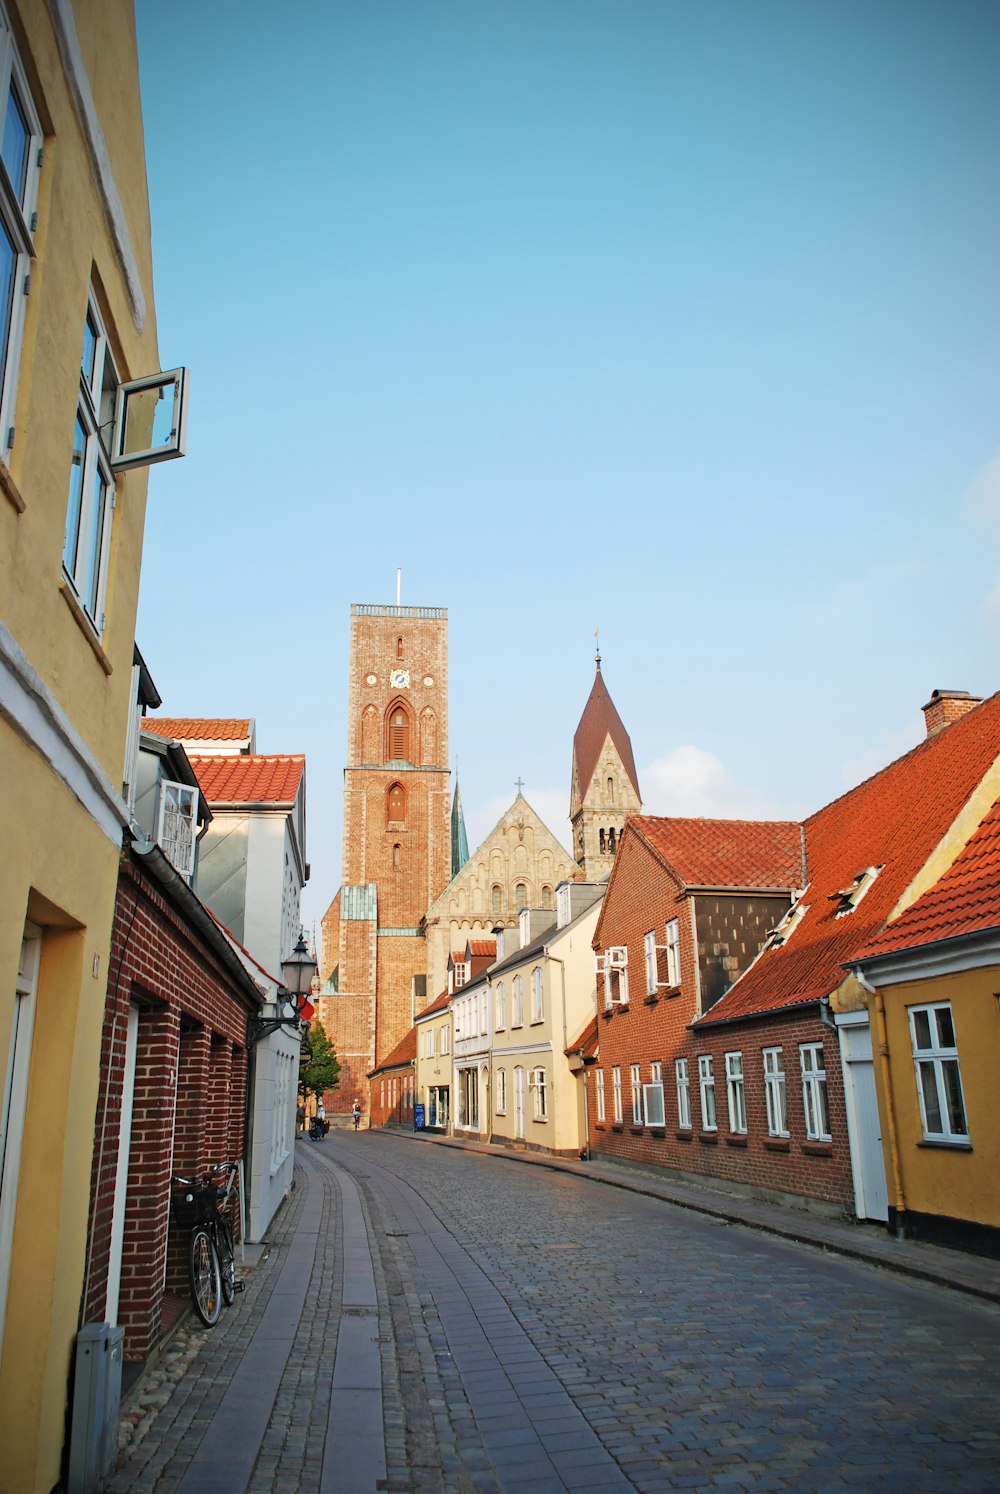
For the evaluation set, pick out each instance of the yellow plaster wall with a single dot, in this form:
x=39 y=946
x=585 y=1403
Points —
x=947 y=1180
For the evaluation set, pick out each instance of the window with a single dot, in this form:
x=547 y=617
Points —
x=603 y=846
x=613 y=966
x=396 y=802
x=652 y=1095
x=399 y=648
x=538 y=1085
x=736 y=1094
x=445 y=1040
x=611 y=840
x=673 y=952
x=399 y=735
x=636 y=1083
x=501 y=1099
x=599 y=1091
x=461 y=973
x=649 y=945
x=774 y=1092
x=87 y=542
x=518 y=1014
x=537 y=1006
x=501 y=1006
x=396 y=851
x=21 y=152
x=616 y=1093
x=610 y=786
x=564 y=906
x=496 y=900
x=520 y=896
x=814 y=1099
x=683 y=1094
x=177 y=825
x=547 y=898
x=939 y=1081
x=706 y=1086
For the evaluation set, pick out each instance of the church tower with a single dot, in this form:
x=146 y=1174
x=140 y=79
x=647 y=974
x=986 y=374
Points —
x=604 y=789
x=397 y=846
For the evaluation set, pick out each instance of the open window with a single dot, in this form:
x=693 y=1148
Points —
x=150 y=420
x=177 y=825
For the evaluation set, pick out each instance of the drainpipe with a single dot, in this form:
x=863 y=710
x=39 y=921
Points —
x=565 y=1042
x=899 y=1202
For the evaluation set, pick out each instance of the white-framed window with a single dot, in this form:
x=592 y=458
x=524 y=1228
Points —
x=501 y=1094
x=814 y=1099
x=461 y=973
x=774 y=1092
x=649 y=950
x=939 y=1079
x=21 y=154
x=87 y=543
x=683 y=1094
x=613 y=967
x=636 y=1083
x=517 y=1016
x=736 y=1099
x=177 y=825
x=539 y=1088
x=537 y=1001
x=616 y=1094
x=501 y=999
x=431 y=1044
x=706 y=1088
x=564 y=905
x=674 y=952
x=445 y=1040
x=599 y=1092
x=483 y=1002
x=652 y=1097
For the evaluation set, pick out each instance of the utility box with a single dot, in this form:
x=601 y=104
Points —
x=97 y=1399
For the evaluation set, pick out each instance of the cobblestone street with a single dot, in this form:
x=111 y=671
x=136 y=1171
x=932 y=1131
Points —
x=431 y=1318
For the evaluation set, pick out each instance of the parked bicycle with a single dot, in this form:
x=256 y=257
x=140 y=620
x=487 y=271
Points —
x=199 y=1204
x=317 y=1128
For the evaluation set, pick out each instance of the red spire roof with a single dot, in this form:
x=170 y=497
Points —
x=600 y=720
x=249 y=780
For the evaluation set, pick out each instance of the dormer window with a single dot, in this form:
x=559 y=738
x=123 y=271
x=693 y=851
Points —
x=461 y=973
x=848 y=897
x=524 y=926
x=176 y=825
x=564 y=906
x=783 y=931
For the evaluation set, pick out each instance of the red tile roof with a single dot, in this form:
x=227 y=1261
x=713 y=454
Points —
x=726 y=853
x=437 y=1005
x=404 y=1053
x=249 y=780
x=894 y=820
x=601 y=720
x=585 y=1040
x=199 y=729
x=478 y=948
x=966 y=900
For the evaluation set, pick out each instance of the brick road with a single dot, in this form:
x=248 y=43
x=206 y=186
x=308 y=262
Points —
x=437 y=1319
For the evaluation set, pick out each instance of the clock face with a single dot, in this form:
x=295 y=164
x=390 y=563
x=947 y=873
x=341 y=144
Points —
x=399 y=679
x=369 y=679
x=428 y=680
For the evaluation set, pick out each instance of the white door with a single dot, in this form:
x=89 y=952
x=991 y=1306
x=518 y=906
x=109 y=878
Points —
x=121 y=1175
x=519 y=1104
x=15 y=1100
x=864 y=1128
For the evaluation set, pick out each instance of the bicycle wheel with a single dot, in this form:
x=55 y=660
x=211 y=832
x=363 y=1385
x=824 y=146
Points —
x=203 y=1271
x=227 y=1260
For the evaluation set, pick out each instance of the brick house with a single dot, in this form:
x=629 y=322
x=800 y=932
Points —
x=391 y=1085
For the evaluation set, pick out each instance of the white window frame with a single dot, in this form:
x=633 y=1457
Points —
x=501 y=994
x=616 y=1095
x=90 y=499
x=706 y=1093
x=19 y=213
x=539 y=1087
x=445 y=1042
x=186 y=810
x=815 y=1098
x=136 y=395
x=501 y=1092
x=682 y=1079
x=599 y=1093
x=537 y=995
x=775 y=1092
x=649 y=951
x=14 y=1099
x=673 y=936
x=612 y=966
x=652 y=1098
x=933 y=1062
x=635 y=1080
x=736 y=1095
x=517 y=1013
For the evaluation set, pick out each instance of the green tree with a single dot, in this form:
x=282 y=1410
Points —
x=322 y=1072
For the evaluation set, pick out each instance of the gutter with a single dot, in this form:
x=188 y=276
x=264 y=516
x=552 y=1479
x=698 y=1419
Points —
x=151 y=859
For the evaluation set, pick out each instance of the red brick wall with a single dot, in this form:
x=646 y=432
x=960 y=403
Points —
x=643 y=896
x=392 y=1098
x=189 y=1100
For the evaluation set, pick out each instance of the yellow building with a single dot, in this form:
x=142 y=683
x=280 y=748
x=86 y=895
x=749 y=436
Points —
x=79 y=329
x=935 y=972
x=433 y=1063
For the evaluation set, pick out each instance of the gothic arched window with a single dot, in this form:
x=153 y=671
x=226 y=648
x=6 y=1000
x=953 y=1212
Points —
x=603 y=847
x=496 y=901
x=399 y=648
x=611 y=790
x=396 y=802
x=398 y=745
x=520 y=896
x=395 y=853
x=611 y=840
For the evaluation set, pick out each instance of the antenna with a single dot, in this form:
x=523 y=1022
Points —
x=399 y=582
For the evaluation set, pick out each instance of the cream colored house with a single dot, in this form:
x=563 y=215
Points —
x=543 y=993
x=433 y=1063
x=519 y=865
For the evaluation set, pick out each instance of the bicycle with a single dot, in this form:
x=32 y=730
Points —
x=199 y=1204
x=317 y=1128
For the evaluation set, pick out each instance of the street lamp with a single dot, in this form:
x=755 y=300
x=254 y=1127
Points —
x=297 y=973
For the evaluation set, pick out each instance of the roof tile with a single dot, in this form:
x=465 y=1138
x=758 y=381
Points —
x=199 y=729
x=727 y=853
x=249 y=780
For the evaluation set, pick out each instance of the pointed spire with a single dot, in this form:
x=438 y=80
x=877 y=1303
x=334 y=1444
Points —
x=459 y=839
x=600 y=720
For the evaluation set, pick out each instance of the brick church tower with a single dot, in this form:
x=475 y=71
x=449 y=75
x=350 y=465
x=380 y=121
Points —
x=604 y=786
x=397 y=835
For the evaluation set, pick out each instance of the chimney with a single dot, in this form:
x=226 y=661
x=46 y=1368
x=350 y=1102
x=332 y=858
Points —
x=946 y=706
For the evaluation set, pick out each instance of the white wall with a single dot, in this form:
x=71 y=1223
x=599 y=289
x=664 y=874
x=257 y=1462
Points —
x=272 y=1126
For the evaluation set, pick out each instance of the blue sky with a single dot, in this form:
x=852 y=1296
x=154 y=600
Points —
x=679 y=320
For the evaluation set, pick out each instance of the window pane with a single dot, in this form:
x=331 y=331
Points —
x=8 y=263
x=922 y=1029
x=72 y=545
x=953 y=1097
x=945 y=1027
x=929 y=1091
x=14 y=149
x=89 y=350
x=93 y=542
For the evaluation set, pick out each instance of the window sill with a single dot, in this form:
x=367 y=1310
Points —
x=940 y=1143
x=736 y=1140
x=86 y=627
x=537 y=1022
x=684 y=1135
x=651 y=998
x=708 y=1138
x=669 y=991
x=617 y=1126
x=658 y=1132
x=635 y=1129
x=600 y=1125
x=10 y=489
x=777 y=1143
x=818 y=1148
x=540 y=1120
